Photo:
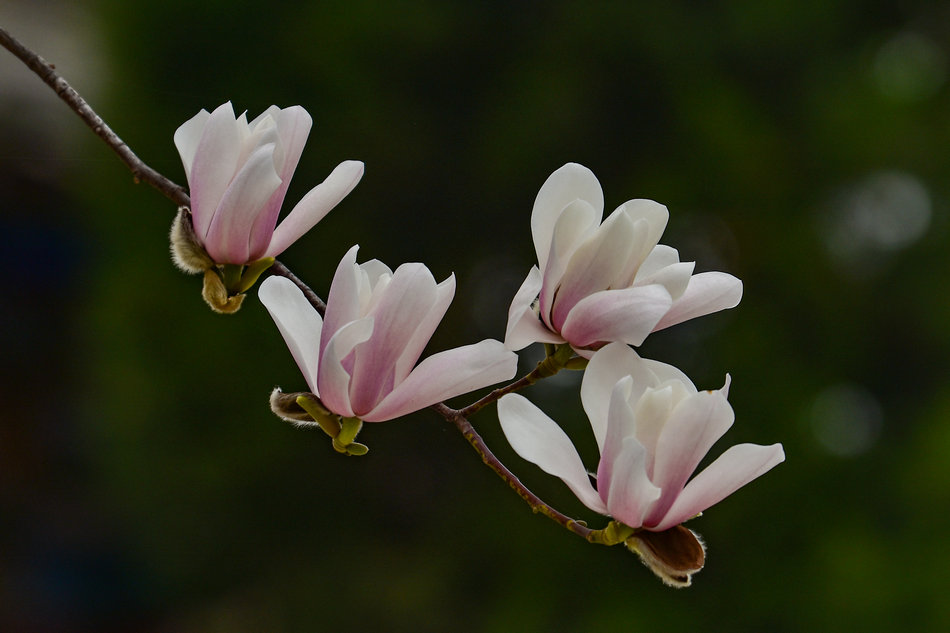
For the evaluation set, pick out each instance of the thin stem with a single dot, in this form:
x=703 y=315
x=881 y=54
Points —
x=140 y=171
x=557 y=359
x=537 y=504
x=318 y=304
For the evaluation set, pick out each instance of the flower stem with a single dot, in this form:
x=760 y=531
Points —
x=537 y=504
x=557 y=359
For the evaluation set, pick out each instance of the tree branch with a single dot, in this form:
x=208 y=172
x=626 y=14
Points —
x=47 y=72
x=537 y=504
x=177 y=194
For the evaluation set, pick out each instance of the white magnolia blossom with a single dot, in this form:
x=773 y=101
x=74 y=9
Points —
x=238 y=174
x=360 y=359
x=652 y=428
x=597 y=283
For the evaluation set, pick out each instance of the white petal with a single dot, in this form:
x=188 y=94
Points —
x=405 y=306
x=293 y=128
x=620 y=424
x=299 y=323
x=446 y=375
x=334 y=378
x=231 y=231
x=577 y=222
x=538 y=439
x=343 y=300
x=595 y=265
x=626 y=315
x=733 y=469
x=524 y=325
x=692 y=428
x=315 y=205
x=425 y=328
x=187 y=137
x=705 y=294
x=652 y=410
x=675 y=277
x=567 y=184
x=607 y=367
x=653 y=213
x=631 y=493
x=214 y=165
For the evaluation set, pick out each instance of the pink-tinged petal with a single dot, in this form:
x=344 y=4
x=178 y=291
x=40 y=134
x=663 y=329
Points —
x=291 y=128
x=343 y=300
x=538 y=439
x=230 y=233
x=214 y=165
x=524 y=325
x=405 y=306
x=444 y=293
x=446 y=375
x=620 y=424
x=626 y=315
x=315 y=205
x=631 y=493
x=733 y=469
x=606 y=368
x=595 y=265
x=334 y=380
x=187 y=137
x=706 y=293
x=692 y=428
x=578 y=221
x=299 y=323
x=567 y=184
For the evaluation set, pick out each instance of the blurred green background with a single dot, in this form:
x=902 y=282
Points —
x=800 y=145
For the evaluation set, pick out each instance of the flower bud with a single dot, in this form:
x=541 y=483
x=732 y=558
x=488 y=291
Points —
x=216 y=295
x=674 y=555
x=187 y=251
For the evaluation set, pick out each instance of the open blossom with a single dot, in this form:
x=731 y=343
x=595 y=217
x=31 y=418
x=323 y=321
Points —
x=359 y=360
x=597 y=283
x=238 y=174
x=652 y=428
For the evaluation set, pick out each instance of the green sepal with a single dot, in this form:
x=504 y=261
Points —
x=329 y=422
x=578 y=363
x=344 y=443
x=617 y=532
x=231 y=274
x=253 y=272
x=353 y=448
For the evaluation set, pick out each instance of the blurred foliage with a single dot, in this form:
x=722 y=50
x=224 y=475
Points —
x=799 y=145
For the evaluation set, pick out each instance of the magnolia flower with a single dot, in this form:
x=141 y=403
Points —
x=652 y=428
x=358 y=359
x=238 y=174
x=596 y=283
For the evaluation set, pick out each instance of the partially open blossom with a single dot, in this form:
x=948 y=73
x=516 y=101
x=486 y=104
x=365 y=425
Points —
x=360 y=359
x=238 y=174
x=597 y=283
x=652 y=428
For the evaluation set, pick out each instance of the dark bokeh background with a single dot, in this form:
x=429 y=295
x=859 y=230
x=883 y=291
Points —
x=801 y=145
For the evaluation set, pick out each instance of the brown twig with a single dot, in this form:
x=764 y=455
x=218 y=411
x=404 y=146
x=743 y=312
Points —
x=279 y=269
x=140 y=171
x=537 y=504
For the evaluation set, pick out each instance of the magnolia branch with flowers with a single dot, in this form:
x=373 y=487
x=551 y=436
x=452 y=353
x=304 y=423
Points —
x=599 y=288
